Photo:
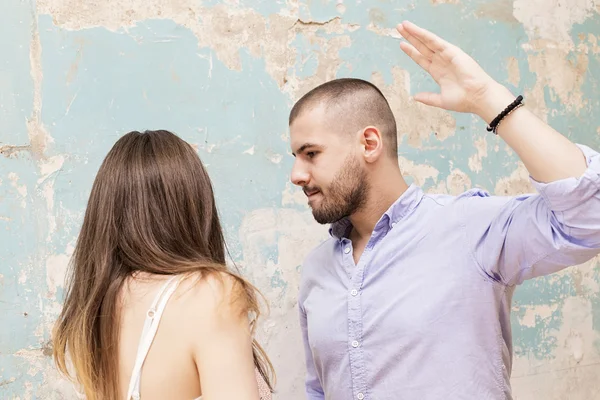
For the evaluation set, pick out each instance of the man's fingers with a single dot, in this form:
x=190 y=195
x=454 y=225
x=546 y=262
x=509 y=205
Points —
x=432 y=41
x=417 y=57
x=424 y=50
x=430 y=99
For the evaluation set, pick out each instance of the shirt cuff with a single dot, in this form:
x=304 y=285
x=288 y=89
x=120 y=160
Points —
x=567 y=193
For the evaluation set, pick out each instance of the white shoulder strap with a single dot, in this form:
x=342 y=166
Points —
x=149 y=331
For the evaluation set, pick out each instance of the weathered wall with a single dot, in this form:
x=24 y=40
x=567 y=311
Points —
x=76 y=74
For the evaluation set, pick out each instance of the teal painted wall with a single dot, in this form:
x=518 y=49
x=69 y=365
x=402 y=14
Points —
x=76 y=74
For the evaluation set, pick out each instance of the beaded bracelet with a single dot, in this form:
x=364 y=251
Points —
x=493 y=126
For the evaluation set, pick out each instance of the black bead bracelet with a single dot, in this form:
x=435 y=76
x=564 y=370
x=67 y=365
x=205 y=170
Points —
x=493 y=126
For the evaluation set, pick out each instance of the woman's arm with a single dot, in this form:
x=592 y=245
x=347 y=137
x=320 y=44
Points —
x=223 y=350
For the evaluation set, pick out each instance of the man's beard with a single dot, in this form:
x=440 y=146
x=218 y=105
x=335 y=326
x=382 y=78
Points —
x=346 y=194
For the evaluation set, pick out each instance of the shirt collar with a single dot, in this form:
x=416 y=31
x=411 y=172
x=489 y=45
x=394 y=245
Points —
x=403 y=206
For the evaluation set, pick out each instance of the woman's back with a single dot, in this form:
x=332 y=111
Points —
x=151 y=219
x=184 y=310
x=168 y=370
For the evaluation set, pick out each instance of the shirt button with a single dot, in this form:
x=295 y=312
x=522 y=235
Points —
x=355 y=344
x=354 y=292
x=393 y=224
x=347 y=250
x=360 y=396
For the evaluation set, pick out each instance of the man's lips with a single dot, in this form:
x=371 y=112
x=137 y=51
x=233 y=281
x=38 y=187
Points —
x=310 y=193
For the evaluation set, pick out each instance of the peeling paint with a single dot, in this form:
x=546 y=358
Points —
x=517 y=183
x=414 y=120
x=531 y=313
x=38 y=135
x=418 y=172
x=12 y=151
x=552 y=19
x=445 y=1
x=475 y=161
x=498 y=10
x=554 y=68
x=56 y=267
x=223 y=75
x=514 y=75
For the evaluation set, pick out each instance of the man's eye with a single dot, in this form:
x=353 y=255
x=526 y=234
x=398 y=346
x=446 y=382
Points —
x=311 y=154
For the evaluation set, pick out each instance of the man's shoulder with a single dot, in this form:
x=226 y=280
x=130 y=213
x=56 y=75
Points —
x=474 y=201
x=445 y=198
x=435 y=203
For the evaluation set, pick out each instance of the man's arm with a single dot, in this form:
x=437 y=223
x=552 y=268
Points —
x=547 y=155
x=517 y=238
x=314 y=391
x=513 y=239
x=466 y=87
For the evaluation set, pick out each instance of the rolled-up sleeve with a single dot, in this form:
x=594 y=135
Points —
x=522 y=237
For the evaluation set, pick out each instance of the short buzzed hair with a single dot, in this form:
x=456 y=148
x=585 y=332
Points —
x=355 y=103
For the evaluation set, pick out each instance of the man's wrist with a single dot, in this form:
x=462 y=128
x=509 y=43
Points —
x=494 y=99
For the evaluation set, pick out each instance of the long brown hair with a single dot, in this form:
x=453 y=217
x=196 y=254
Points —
x=151 y=209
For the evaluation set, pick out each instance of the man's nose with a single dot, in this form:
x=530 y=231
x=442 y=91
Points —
x=299 y=175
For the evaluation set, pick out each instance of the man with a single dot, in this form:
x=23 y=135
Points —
x=410 y=296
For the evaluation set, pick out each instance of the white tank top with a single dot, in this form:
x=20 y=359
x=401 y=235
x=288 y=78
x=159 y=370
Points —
x=150 y=327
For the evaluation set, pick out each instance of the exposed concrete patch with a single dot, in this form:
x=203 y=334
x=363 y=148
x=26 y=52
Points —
x=445 y=1
x=552 y=19
x=414 y=119
x=53 y=386
x=391 y=32
x=56 y=268
x=10 y=151
x=475 y=161
x=328 y=64
x=573 y=367
x=7 y=382
x=532 y=313
x=514 y=75
x=555 y=68
x=38 y=136
x=293 y=234
x=418 y=172
x=292 y=195
x=548 y=24
x=225 y=29
x=21 y=189
x=498 y=10
x=48 y=168
x=458 y=182
x=517 y=183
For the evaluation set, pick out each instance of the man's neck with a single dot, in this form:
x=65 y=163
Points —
x=384 y=192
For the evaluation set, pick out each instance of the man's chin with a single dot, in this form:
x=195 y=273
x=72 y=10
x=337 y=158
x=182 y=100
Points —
x=320 y=218
x=324 y=219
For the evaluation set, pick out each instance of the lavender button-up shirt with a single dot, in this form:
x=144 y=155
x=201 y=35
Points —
x=425 y=314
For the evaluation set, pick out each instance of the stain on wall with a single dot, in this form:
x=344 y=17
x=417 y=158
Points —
x=75 y=75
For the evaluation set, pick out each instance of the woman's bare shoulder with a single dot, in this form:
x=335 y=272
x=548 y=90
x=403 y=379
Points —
x=215 y=297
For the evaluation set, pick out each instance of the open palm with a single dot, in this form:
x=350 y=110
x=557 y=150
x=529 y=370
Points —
x=462 y=81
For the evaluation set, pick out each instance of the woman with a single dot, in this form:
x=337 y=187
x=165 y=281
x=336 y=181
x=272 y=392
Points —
x=150 y=251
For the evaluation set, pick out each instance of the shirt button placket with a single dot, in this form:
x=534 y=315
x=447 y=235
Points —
x=355 y=324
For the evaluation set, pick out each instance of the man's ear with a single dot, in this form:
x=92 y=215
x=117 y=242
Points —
x=372 y=143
